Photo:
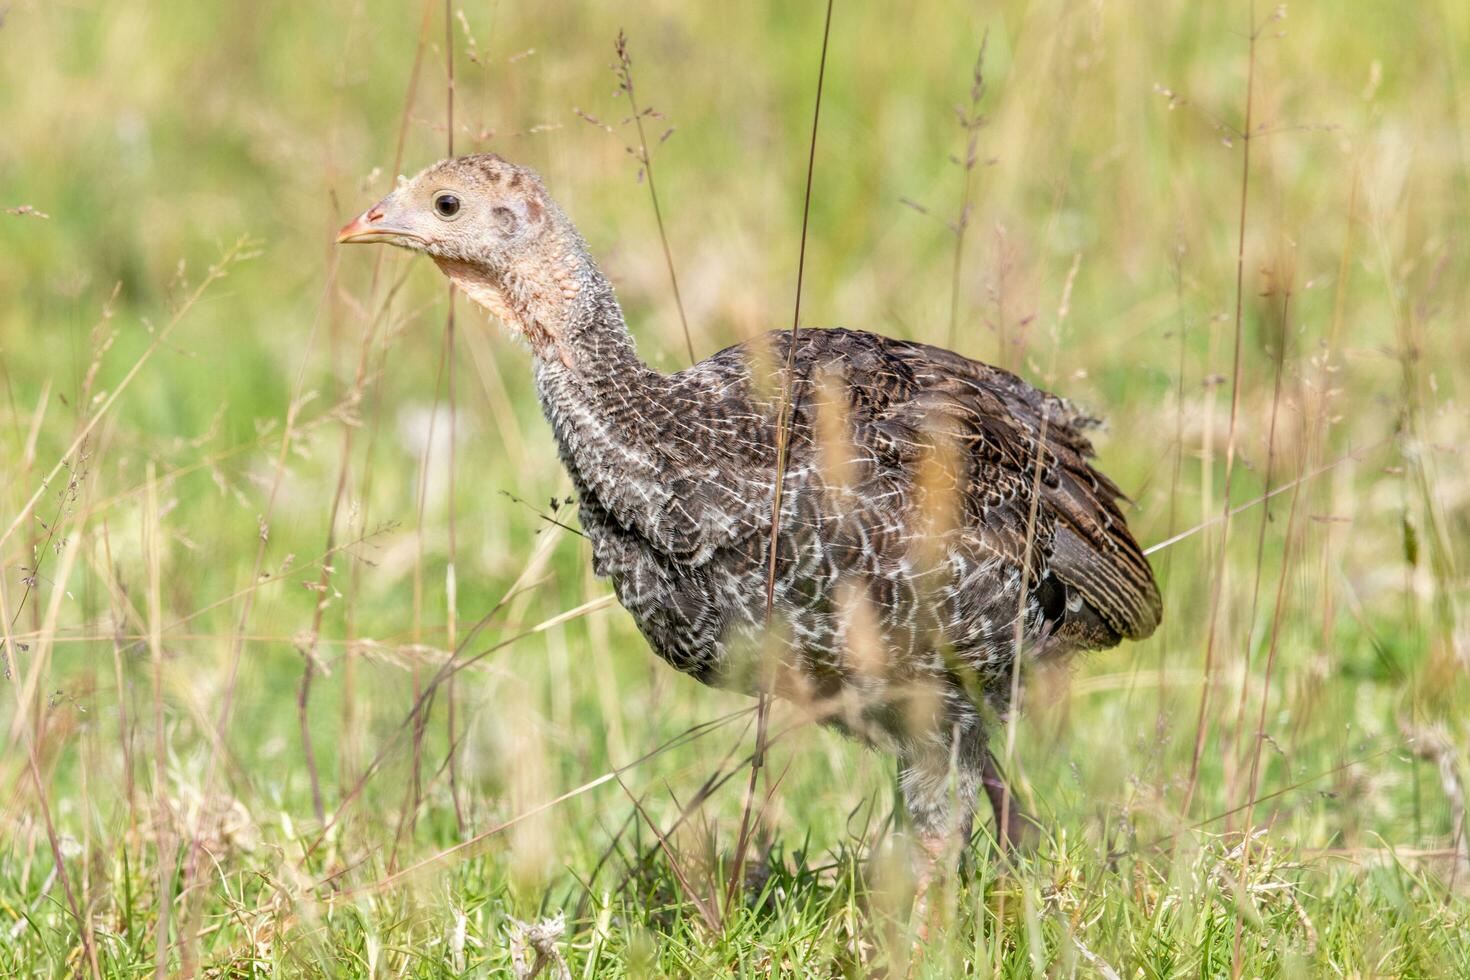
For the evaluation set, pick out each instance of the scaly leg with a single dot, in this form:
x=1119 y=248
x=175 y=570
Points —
x=1014 y=828
x=940 y=779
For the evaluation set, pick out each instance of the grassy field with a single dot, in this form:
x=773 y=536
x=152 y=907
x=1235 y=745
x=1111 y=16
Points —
x=250 y=506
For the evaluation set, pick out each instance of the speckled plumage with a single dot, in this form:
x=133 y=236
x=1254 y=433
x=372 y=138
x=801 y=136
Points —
x=938 y=514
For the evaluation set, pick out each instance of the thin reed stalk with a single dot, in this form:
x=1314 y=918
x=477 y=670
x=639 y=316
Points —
x=451 y=591
x=783 y=436
x=193 y=852
x=124 y=729
x=1288 y=553
x=165 y=848
x=369 y=339
x=645 y=158
x=1265 y=519
x=971 y=122
x=23 y=695
x=323 y=591
x=1012 y=720
x=467 y=846
x=1201 y=728
x=1175 y=477
x=239 y=251
x=413 y=793
x=423 y=700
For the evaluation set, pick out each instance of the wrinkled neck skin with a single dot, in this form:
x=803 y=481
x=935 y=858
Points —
x=601 y=400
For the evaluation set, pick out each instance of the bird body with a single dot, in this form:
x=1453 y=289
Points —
x=939 y=518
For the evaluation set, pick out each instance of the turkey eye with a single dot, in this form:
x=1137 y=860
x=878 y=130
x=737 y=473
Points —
x=447 y=205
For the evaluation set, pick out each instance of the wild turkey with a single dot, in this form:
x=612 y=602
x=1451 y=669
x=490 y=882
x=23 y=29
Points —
x=937 y=514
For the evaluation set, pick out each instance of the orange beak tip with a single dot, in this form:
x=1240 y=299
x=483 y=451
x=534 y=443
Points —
x=353 y=230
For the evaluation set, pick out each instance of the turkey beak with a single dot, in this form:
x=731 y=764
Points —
x=371 y=226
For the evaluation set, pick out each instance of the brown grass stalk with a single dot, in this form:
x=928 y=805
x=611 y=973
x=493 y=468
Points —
x=165 y=849
x=707 y=913
x=466 y=847
x=323 y=584
x=445 y=379
x=23 y=696
x=1012 y=720
x=235 y=253
x=624 y=70
x=1171 y=838
x=783 y=436
x=1350 y=457
x=451 y=599
x=1217 y=592
x=1175 y=477
x=323 y=591
x=1287 y=554
x=971 y=122
x=124 y=730
x=193 y=853
x=412 y=794
x=421 y=703
x=1250 y=619
x=349 y=708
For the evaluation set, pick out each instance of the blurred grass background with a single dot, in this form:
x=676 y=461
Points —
x=155 y=136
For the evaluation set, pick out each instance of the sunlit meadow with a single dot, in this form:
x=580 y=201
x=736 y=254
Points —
x=253 y=500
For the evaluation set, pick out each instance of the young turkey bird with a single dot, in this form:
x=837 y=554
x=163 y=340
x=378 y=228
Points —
x=937 y=514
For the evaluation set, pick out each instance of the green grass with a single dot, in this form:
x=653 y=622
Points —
x=155 y=137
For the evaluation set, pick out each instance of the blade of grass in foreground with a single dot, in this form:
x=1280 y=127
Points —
x=782 y=439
